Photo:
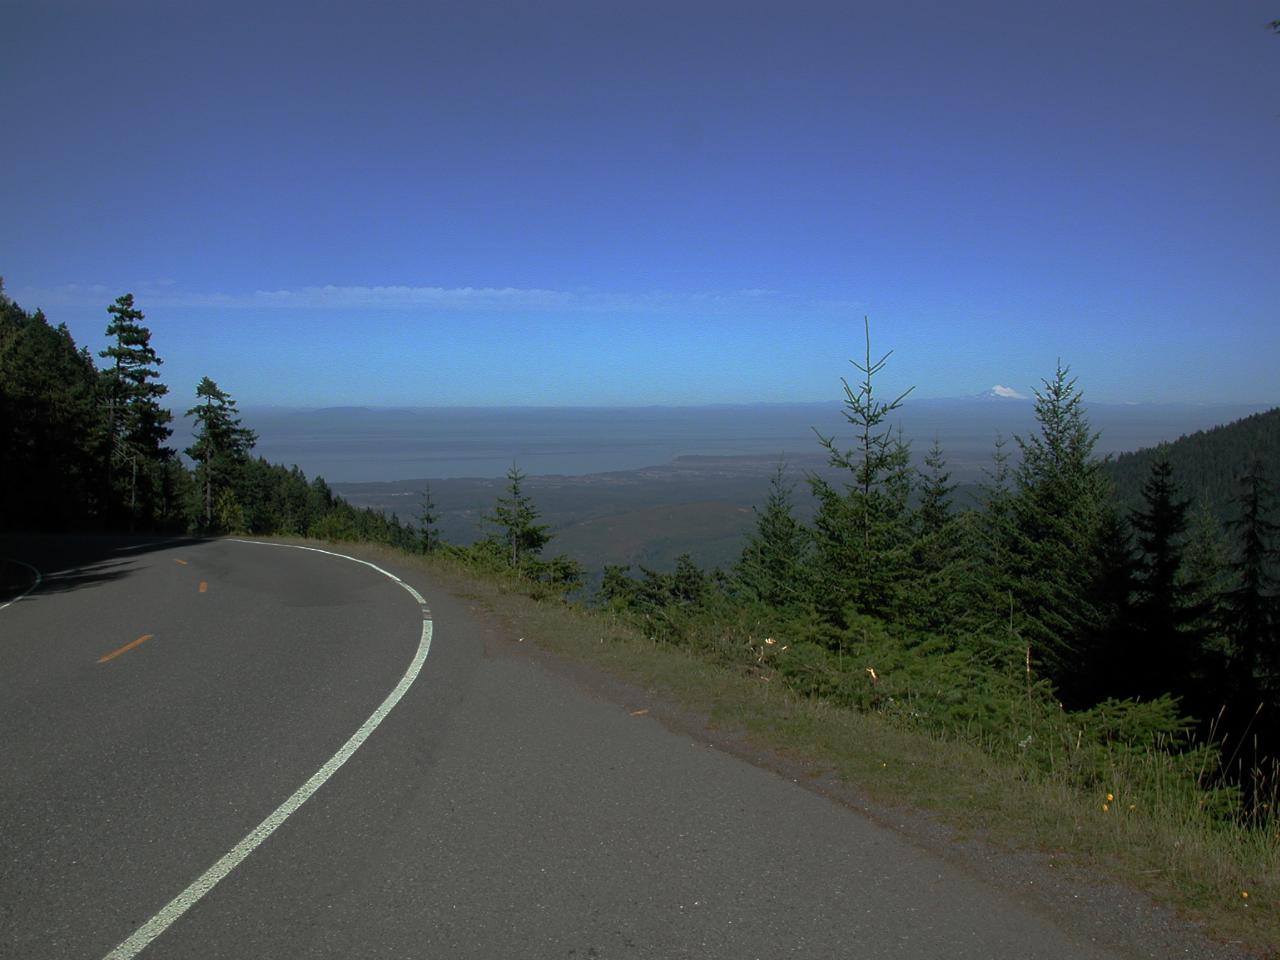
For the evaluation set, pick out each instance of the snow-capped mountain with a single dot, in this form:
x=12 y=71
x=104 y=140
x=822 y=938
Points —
x=1006 y=393
x=1001 y=392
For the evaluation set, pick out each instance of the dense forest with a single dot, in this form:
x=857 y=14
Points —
x=1083 y=615
x=85 y=446
x=1207 y=463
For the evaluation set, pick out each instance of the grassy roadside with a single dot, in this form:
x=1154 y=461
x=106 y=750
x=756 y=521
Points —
x=1222 y=876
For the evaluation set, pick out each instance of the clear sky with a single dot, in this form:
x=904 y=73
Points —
x=616 y=203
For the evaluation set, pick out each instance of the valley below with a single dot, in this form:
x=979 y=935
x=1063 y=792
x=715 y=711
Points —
x=710 y=470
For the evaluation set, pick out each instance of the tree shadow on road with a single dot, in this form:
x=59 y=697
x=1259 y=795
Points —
x=72 y=562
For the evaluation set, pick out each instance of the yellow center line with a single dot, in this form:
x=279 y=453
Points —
x=183 y=562
x=126 y=648
x=204 y=586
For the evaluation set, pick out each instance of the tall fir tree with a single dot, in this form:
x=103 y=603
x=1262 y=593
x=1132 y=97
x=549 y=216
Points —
x=136 y=425
x=428 y=519
x=1252 y=601
x=984 y=574
x=900 y=484
x=861 y=533
x=1105 y=652
x=773 y=567
x=1057 y=513
x=996 y=528
x=1207 y=577
x=936 y=565
x=514 y=523
x=1166 y=634
x=936 y=490
x=221 y=451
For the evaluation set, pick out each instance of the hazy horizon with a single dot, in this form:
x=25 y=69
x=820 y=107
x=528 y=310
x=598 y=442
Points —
x=363 y=444
x=314 y=408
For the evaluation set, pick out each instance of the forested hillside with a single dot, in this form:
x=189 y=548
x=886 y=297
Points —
x=1207 y=463
x=85 y=446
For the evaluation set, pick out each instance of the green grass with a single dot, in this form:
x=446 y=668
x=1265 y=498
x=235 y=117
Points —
x=1154 y=835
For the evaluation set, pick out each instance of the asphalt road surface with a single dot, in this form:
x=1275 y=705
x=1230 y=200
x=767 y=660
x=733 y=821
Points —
x=163 y=700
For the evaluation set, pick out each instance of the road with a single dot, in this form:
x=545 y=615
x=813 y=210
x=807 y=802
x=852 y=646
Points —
x=161 y=700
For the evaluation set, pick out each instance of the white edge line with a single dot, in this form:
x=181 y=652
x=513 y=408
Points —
x=209 y=879
x=38 y=580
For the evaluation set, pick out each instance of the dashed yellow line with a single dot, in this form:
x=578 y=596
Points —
x=204 y=586
x=183 y=562
x=126 y=648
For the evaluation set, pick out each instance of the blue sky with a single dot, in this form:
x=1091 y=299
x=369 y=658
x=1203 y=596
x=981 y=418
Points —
x=608 y=203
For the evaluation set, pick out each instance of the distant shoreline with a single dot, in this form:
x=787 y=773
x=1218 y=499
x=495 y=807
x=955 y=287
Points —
x=367 y=445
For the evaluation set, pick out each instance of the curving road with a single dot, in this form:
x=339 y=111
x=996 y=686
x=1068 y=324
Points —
x=162 y=699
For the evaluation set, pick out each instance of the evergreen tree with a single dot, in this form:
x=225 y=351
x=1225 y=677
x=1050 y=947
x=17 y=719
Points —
x=617 y=590
x=996 y=526
x=514 y=520
x=983 y=574
x=1165 y=640
x=861 y=534
x=221 y=451
x=936 y=566
x=319 y=504
x=560 y=572
x=136 y=425
x=1057 y=514
x=935 y=491
x=292 y=516
x=688 y=582
x=172 y=497
x=50 y=467
x=1107 y=661
x=653 y=591
x=997 y=486
x=899 y=484
x=1252 y=601
x=1207 y=574
x=773 y=565
x=428 y=533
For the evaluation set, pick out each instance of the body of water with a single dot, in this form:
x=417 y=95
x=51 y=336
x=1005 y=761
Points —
x=380 y=444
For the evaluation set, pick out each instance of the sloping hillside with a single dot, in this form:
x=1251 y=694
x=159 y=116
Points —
x=1206 y=464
